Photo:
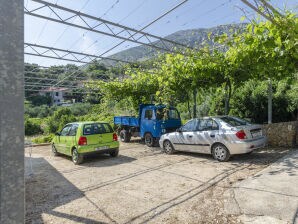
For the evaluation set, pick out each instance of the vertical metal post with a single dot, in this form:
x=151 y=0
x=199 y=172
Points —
x=269 y=101
x=195 y=103
x=11 y=111
x=226 y=100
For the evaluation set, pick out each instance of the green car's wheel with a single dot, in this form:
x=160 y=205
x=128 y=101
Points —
x=114 y=153
x=54 y=150
x=77 y=158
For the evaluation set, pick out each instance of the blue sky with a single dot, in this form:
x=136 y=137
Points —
x=132 y=13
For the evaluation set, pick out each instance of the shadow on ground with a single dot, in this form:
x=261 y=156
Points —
x=48 y=190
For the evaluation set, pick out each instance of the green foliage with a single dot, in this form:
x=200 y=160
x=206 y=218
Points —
x=60 y=118
x=38 y=100
x=43 y=139
x=32 y=126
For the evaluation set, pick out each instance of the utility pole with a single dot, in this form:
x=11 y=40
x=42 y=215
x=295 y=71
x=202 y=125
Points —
x=226 y=101
x=12 y=112
x=195 y=103
x=269 y=101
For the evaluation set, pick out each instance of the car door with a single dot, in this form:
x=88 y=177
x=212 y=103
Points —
x=148 y=118
x=70 y=139
x=62 y=139
x=185 y=138
x=206 y=134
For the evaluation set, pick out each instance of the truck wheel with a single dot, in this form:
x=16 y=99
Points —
x=124 y=136
x=149 y=140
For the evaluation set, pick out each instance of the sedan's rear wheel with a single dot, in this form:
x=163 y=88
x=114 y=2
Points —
x=220 y=152
x=168 y=147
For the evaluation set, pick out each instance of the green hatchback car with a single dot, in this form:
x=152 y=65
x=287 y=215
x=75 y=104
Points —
x=82 y=138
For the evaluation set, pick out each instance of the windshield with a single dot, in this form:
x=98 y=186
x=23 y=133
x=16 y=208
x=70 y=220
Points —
x=167 y=113
x=234 y=121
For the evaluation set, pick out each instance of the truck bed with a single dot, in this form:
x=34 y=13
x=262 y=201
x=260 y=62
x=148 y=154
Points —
x=127 y=120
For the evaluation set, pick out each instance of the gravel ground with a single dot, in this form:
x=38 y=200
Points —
x=141 y=185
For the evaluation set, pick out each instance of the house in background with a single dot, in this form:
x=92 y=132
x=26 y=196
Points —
x=57 y=94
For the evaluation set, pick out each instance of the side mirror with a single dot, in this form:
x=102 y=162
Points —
x=178 y=130
x=57 y=133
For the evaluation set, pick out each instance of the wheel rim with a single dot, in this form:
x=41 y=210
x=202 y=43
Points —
x=74 y=156
x=220 y=152
x=167 y=146
x=148 y=140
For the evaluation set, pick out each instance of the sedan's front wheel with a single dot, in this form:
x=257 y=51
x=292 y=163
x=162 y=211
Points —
x=220 y=152
x=168 y=147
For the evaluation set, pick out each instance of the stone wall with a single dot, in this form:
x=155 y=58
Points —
x=283 y=134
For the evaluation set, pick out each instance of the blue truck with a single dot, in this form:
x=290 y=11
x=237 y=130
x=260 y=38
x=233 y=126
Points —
x=152 y=122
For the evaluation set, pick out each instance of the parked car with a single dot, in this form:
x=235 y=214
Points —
x=82 y=138
x=220 y=136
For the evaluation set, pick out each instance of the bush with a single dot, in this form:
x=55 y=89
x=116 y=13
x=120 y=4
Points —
x=43 y=139
x=32 y=126
x=60 y=118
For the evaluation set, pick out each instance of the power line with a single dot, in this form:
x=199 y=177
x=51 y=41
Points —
x=149 y=24
x=101 y=23
x=132 y=11
x=44 y=26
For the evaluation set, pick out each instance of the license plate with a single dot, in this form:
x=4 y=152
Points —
x=256 y=134
x=102 y=148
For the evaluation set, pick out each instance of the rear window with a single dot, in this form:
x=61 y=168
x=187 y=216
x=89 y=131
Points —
x=234 y=121
x=97 y=128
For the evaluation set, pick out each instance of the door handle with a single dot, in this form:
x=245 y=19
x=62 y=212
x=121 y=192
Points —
x=212 y=135
x=190 y=136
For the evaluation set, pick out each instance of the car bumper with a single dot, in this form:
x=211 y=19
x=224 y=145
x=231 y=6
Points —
x=95 y=148
x=99 y=151
x=243 y=147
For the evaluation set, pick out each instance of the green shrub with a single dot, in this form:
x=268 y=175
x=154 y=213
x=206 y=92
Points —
x=32 y=126
x=60 y=118
x=43 y=139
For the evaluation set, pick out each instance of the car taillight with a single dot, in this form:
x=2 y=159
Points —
x=115 y=137
x=82 y=140
x=241 y=134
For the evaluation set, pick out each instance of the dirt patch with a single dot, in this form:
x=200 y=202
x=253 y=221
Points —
x=142 y=185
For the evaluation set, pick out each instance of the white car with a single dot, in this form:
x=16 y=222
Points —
x=220 y=136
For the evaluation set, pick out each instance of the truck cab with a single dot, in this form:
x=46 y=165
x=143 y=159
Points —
x=152 y=122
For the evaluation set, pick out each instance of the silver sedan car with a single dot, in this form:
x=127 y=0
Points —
x=220 y=136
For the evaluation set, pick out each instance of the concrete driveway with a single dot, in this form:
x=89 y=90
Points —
x=142 y=185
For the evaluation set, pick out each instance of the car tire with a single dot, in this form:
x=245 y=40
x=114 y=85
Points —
x=124 y=136
x=220 y=152
x=76 y=157
x=114 y=153
x=168 y=147
x=149 y=140
x=54 y=150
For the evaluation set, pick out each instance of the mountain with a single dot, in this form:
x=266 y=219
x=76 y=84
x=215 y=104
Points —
x=191 y=37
